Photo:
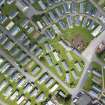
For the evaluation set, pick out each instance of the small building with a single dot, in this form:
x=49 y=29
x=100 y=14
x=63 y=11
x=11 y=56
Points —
x=10 y=71
x=97 y=31
x=56 y=55
x=54 y=88
x=10 y=25
x=21 y=82
x=56 y=29
x=65 y=45
x=36 y=70
x=42 y=5
x=48 y=47
x=48 y=59
x=75 y=76
x=40 y=97
x=22 y=6
x=70 y=21
x=69 y=56
x=3 y=19
x=59 y=69
x=49 y=83
x=50 y=103
x=25 y=60
x=3 y=84
x=67 y=79
x=93 y=94
x=44 y=78
x=34 y=92
x=25 y=23
x=65 y=65
x=10 y=1
x=8 y=91
x=5 y=67
x=1 y=61
x=28 y=102
x=13 y=14
x=14 y=31
x=38 y=52
x=39 y=24
x=78 y=66
x=14 y=95
x=21 y=56
x=9 y=45
x=3 y=39
x=20 y=99
x=28 y=88
x=16 y=76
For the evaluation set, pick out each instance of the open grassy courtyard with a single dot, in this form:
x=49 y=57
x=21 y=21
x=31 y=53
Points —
x=78 y=33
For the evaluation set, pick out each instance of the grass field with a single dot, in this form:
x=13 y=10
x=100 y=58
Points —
x=69 y=34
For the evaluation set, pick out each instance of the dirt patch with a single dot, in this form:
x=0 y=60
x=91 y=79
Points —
x=78 y=42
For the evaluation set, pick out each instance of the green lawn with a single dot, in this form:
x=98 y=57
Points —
x=69 y=34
